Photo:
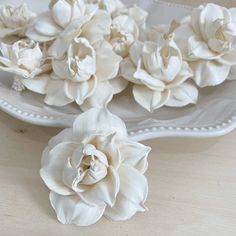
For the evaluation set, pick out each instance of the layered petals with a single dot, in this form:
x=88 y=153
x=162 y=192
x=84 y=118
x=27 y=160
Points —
x=207 y=40
x=71 y=210
x=93 y=169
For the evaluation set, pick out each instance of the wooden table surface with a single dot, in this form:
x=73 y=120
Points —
x=192 y=186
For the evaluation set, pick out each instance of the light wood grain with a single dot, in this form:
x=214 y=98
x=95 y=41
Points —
x=192 y=186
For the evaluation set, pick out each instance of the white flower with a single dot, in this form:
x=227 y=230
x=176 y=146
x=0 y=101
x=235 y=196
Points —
x=125 y=28
x=62 y=13
x=82 y=75
x=124 y=32
x=93 y=169
x=24 y=59
x=208 y=41
x=159 y=75
x=14 y=20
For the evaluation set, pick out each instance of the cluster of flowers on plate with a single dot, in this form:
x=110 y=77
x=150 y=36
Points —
x=88 y=51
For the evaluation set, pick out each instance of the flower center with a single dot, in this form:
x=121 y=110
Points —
x=91 y=169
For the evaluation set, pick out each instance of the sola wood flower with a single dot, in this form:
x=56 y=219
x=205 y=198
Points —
x=48 y=25
x=127 y=24
x=83 y=61
x=93 y=169
x=24 y=59
x=208 y=41
x=81 y=75
x=14 y=20
x=125 y=28
x=159 y=74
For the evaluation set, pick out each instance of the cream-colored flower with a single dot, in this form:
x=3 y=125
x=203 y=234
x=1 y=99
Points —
x=82 y=75
x=125 y=28
x=124 y=32
x=62 y=14
x=208 y=41
x=14 y=20
x=159 y=75
x=93 y=169
x=24 y=59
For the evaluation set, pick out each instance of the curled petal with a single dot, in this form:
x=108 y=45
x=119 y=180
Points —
x=209 y=73
x=135 y=154
x=123 y=210
x=107 y=144
x=37 y=85
x=148 y=80
x=198 y=49
x=80 y=91
x=150 y=99
x=103 y=192
x=183 y=95
x=184 y=74
x=71 y=210
x=132 y=195
x=56 y=93
x=102 y=95
x=53 y=162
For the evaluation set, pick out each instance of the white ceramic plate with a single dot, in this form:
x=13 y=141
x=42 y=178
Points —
x=214 y=115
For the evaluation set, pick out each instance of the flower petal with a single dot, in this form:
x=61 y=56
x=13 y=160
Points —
x=43 y=29
x=80 y=91
x=37 y=85
x=228 y=58
x=182 y=35
x=61 y=44
x=71 y=210
x=135 y=154
x=123 y=210
x=65 y=135
x=103 y=192
x=150 y=81
x=99 y=121
x=56 y=93
x=150 y=99
x=127 y=71
x=108 y=62
x=53 y=162
x=132 y=195
x=133 y=184
x=209 y=73
x=107 y=144
x=198 y=49
x=184 y=74
x=135 y=52
x=119 y=84
x=62 y=12
x=97 y=27
x=102 y=95
x=183 y=95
